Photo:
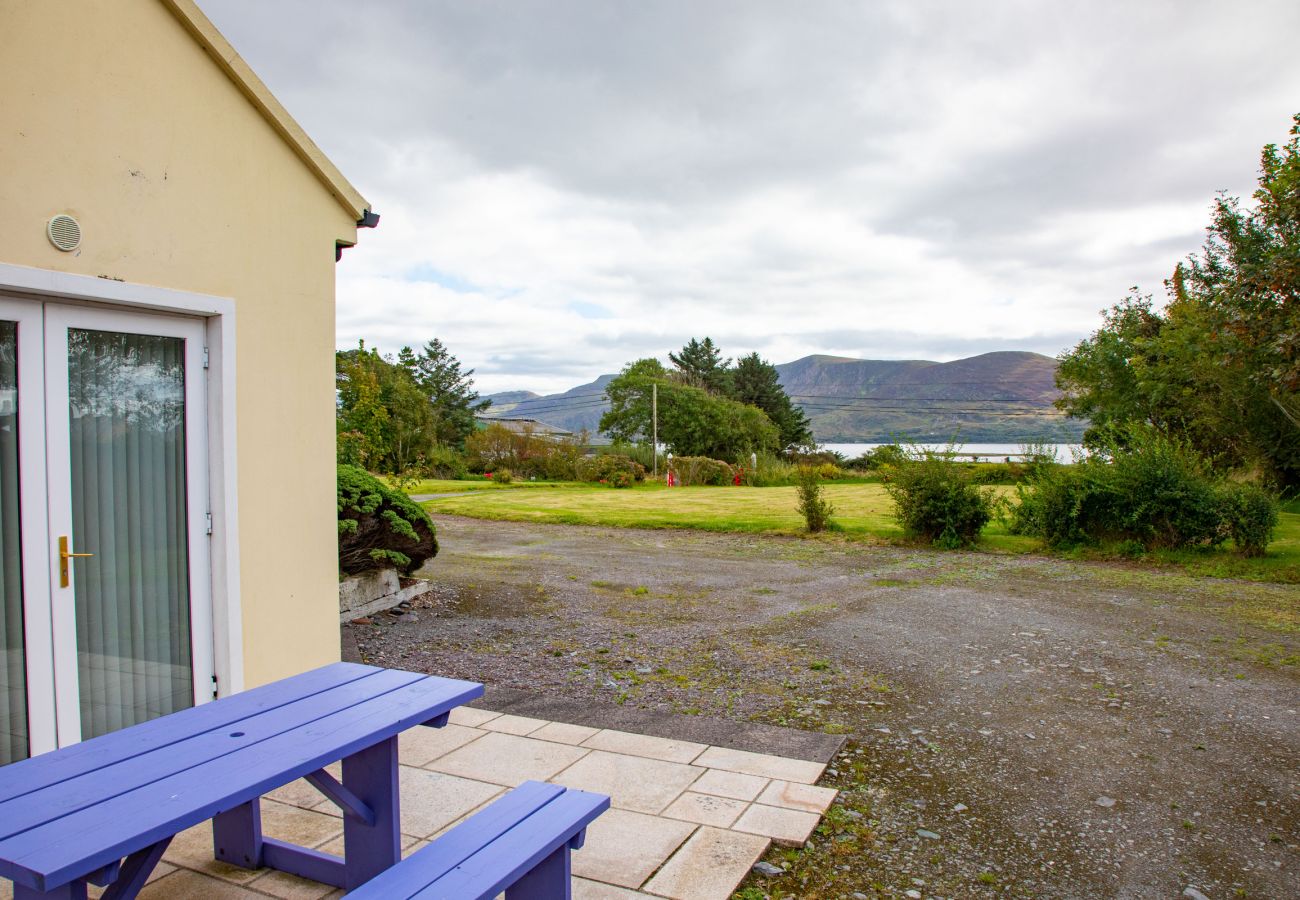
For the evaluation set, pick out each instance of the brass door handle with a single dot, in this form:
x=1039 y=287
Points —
x=64 y=556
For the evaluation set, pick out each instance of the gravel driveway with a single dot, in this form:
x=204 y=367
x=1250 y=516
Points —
x=1018 y=726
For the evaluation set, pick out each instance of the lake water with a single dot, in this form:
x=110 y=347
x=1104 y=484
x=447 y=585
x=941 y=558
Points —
x=985 y=452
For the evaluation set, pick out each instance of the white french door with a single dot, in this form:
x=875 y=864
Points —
x=104 y=561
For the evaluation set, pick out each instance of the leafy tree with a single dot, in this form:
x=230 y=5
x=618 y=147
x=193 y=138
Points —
x=449 y=390
x=362 y=422
x=700 y=364
x=1219 y=367
x=629 y=415
x=756 y=382
x=692 y=421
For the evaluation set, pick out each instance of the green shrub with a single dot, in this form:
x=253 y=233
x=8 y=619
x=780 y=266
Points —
x=1247 y=514
x=1163 y=495
x=621 y=479
x=380 y=528
x=693 y=470
x=815 y=509
x=444 y=462
x=609 y=467
x=884 y=455
x=639 y=453
x=503 y=476
x=993 y=473
x=1064 y=506
x=1146 y=491
x=525 y=453
x=936 y=501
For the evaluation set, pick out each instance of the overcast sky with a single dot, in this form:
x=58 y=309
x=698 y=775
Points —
x=566 y=186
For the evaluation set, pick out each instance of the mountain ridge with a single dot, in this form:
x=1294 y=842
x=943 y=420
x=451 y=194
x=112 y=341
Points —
x=1000 y=396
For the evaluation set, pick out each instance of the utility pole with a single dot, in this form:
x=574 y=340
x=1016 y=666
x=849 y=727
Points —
x=654 y=426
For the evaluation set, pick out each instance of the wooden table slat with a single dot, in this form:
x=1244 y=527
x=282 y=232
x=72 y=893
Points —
x=30 y=775
x=74 y=794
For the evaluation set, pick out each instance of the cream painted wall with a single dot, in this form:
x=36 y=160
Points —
x=112 y=113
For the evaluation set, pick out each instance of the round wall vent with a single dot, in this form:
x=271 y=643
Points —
x=64 y=232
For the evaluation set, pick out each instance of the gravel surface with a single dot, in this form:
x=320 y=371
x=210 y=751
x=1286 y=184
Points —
x=1018 y=726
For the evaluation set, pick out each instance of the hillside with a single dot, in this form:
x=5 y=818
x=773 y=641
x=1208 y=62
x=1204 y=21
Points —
x=1004 y=397
x=505 y=401
x=577 y=409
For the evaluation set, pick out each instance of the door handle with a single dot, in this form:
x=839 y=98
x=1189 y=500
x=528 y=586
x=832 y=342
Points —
x=64 y=556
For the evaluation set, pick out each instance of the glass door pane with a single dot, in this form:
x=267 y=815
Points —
x=13 y=661
x=126 y=414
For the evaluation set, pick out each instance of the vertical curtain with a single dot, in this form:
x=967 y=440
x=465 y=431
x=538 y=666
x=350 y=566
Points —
x=127 y=429
x=13 y=667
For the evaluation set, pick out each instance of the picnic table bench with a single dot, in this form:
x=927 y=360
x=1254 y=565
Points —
x=104 y=811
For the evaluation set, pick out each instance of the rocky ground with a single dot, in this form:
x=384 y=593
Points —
x=1017 y=726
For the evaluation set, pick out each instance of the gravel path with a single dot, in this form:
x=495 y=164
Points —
x=1019 y=726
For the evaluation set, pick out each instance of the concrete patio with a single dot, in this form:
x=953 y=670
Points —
x=688 y=819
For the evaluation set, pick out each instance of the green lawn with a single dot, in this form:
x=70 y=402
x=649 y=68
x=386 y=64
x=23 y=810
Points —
x=862 y=512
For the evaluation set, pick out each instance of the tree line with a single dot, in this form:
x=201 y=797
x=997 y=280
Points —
x=395 y=414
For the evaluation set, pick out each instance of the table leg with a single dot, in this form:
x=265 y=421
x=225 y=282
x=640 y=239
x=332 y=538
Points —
x=237 y=835
x=549 y=880
x=371 y=775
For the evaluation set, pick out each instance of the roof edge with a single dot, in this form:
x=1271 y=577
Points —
x=228 y=59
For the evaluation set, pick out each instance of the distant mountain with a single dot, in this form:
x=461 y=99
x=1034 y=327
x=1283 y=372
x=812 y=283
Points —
x=1003 y=397
x=577 y=409
x=505 y=401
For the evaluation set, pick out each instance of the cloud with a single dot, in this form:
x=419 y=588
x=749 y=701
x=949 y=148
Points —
x=568 y=186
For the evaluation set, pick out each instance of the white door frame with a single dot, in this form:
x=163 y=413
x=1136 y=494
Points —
x=38 y=648
x=59 y=317
x=218 y=314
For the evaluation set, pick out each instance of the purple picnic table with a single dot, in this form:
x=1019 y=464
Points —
x=103 y=811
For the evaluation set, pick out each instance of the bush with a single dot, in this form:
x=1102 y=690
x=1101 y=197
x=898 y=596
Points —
x=694 y=470
x=610 y=468
x=1162 y=495
x=936 y=501
x=640 y=453
x=994 y=473
x=1247 y=515
x=444 y=462
x=1148 y=492
x=380 y=528
x=884 y=455
x=526 y=453
x=815 y=508
x=1064 y=506
x=503 y=476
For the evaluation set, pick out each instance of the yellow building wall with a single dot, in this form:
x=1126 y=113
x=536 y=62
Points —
x=110 y=112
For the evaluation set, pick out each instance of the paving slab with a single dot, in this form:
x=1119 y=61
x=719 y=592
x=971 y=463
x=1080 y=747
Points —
x=705 y=809
x=792 y=795
x=632 y=782
x=625 y=848
x=508 y=759
x=708 y=866
x=785 y=826
x=646 y=745
x=772 y=739
x=764 y=765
